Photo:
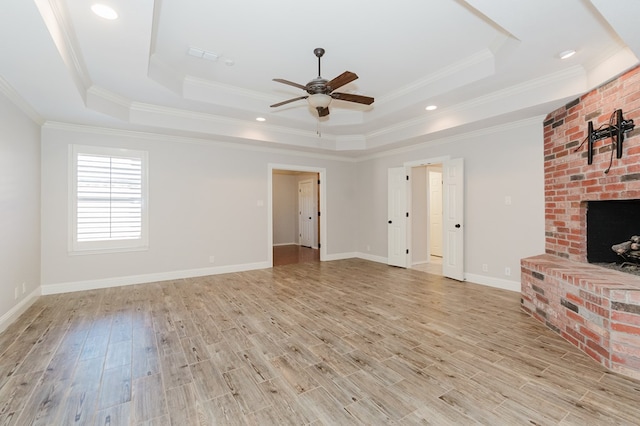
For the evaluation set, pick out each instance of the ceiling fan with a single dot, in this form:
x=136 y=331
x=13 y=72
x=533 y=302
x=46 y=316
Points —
x=321 y=92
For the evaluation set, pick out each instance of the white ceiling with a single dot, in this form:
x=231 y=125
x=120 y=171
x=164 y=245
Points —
x=483 y=62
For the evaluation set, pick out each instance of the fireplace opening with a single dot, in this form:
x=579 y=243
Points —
x=613 y=223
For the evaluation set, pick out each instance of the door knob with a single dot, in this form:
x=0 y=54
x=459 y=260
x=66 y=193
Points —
x=457 y=225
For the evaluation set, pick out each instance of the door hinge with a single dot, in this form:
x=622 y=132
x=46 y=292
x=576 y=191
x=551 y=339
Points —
x=318 y=181
x=318 y=214
x=407 y=251
x=407 y=214
x=319 y=245
x=407 y=177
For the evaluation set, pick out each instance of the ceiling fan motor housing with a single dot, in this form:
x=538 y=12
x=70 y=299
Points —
x=318 y=85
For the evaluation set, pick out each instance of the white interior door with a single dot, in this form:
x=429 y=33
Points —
x=306 y=212
x=397 y=217
x=435 y=213
x=453 y=197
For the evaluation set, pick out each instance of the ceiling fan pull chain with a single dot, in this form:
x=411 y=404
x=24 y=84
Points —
x=318 y=131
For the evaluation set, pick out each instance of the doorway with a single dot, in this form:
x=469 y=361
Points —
x=400 y=197
x=426 y=218
x=297 y=229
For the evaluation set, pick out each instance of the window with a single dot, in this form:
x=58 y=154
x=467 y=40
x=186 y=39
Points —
x=108 y=199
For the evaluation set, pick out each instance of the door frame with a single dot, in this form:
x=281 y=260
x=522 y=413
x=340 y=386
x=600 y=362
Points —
x=409 y=165
x=322 y=205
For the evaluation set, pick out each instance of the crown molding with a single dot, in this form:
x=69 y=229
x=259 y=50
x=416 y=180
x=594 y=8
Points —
x=457 y=137
x=55 y=15
x=445 y=72
x=15 y=98
x=151 y=136
x=481 y=101
x=203 y=116
x=571 y=73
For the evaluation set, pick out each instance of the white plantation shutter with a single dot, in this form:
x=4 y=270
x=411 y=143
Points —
x=109 y=205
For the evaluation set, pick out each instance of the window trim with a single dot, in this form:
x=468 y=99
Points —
x=106 y=246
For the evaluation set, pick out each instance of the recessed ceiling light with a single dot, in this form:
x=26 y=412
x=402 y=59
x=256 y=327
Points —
x=104 y=11
x=567 y=54
x=431 y=107
x=261 y=119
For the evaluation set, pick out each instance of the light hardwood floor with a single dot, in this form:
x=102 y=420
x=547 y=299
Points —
x=293 y=253
x=343 y=342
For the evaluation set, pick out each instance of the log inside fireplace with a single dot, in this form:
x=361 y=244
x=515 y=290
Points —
x=628 y=250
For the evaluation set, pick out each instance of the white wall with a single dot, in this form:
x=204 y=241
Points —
x=285 y=209
x=204 y=201
x=19 y=210
x=498 y=162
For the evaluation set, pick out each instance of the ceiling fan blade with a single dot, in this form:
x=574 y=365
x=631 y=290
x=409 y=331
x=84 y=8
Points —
x=352 y=98
x=342 y=79
x=290 y=83
x=323 y=112
x=289 y=100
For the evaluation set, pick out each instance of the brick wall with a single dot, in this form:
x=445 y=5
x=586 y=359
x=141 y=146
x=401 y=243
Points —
x=569 y=181
x=593 y=308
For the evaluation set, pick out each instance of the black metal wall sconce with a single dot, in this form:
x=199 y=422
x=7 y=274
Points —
x=614 y=131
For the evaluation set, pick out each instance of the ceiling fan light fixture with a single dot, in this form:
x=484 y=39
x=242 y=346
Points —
x=431 y=107
x=319 y=100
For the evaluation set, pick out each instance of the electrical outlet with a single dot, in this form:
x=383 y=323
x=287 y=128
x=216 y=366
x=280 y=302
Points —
x=485 y=267
x=368 y=248
x=507 y=271
x=17 y=293
x=212 y=259
x=24 y=288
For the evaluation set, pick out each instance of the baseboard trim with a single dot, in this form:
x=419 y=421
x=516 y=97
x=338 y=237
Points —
x=148 y=278
x=469 y=278
x=286 y=244
x=339 y=256
x=493 y=282
x=18 y=310
x=371 y=257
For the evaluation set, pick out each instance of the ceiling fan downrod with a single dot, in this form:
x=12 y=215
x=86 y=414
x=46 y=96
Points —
x=318 y=51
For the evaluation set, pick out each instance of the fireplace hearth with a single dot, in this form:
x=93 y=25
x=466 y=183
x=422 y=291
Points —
x=576 y=288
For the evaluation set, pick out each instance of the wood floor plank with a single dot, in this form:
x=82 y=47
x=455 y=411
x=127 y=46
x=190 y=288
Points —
x=45 y=403
x=208 y=380
x=285 y=407
x=258 y=365
x=341 y=342
x=294 y=374
x=182 y=404
x=244 y=390
x=175 y=370
x=115 y=415
x=116 y=387
x=148 y=398
x=14 y=394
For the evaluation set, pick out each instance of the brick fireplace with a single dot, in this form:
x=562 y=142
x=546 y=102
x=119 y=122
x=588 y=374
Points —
x=594 y=308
